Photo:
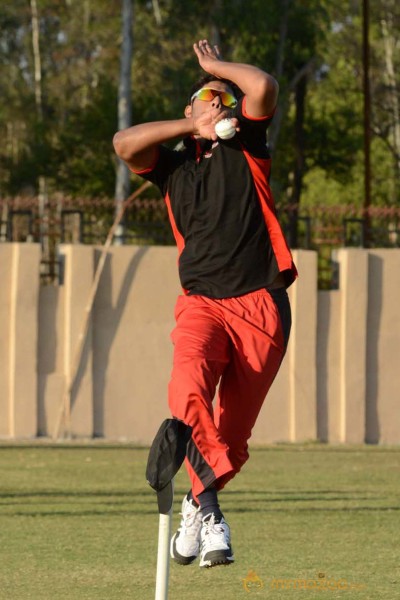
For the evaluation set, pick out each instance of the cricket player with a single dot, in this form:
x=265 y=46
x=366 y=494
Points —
x=233 y=318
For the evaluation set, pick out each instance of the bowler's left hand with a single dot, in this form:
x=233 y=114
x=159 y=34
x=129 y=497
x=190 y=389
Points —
x=206 y=54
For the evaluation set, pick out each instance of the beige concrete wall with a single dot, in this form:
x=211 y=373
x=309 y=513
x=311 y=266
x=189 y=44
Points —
x=383 y=342
x=78 y=278
x=338 y=383
x=341 y=352
x=289 y=412
x=6 y=264
x=133 y=317
x=62 y=311
x=353 y=338
x=20 y=265
x=328 y=366
x=51 y=376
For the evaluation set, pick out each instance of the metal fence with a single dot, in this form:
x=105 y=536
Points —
x=58 y=219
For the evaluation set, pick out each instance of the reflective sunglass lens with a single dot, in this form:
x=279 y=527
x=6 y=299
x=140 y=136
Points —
x=228 y=100
x=207 y=94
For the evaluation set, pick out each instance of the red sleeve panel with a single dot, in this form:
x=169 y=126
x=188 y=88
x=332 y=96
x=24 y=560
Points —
x=260 y=170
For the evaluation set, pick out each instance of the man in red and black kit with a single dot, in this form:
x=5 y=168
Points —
x=233 y=319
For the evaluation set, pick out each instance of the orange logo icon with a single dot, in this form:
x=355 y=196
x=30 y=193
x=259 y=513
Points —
x=252 y=582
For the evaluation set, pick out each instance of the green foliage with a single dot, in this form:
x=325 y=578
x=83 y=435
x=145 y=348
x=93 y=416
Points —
x=90 y=131
x=80 y=52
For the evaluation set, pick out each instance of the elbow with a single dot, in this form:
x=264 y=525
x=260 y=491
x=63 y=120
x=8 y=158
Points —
x=120 y=145
x=266 y=94
x=117 y=141
x=128 y=145
x=268 y=89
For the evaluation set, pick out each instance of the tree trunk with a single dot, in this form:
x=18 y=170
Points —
x=157 y=12
x=122 y=186
x=85 y=26
x=215 y=37
x=280 y=58
x=390 y=45
x=299 y=144
x=367 y=123
x=37 y=66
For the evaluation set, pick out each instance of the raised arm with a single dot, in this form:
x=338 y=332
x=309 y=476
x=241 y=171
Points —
x=137 y=145
x=260 y=88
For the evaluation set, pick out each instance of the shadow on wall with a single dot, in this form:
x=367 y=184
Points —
x=103 y=337
x=324 y=316
x=374 y=315
x=49 y=300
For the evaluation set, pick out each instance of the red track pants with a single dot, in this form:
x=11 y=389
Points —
x=238 y=342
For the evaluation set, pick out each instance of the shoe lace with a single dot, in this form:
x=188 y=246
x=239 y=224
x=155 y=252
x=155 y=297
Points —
x=212 y=529
x=189 y=516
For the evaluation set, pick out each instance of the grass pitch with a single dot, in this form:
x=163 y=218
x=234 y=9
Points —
x=80 y=522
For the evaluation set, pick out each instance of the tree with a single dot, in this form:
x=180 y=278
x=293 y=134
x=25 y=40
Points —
x=313 y=48
x=122 y=186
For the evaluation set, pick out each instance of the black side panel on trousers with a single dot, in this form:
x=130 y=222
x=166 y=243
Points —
x=281 y=299
x=203 y=471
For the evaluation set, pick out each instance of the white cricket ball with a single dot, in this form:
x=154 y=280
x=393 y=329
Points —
x=225 y=129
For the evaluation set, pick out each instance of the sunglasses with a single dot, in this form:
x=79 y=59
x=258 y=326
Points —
x=208 y=94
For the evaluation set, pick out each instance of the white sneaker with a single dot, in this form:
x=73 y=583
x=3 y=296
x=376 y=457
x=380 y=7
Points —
x=216 y=546
x=185 y=544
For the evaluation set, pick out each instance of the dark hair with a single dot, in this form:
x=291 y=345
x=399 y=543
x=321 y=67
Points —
x=207 y=79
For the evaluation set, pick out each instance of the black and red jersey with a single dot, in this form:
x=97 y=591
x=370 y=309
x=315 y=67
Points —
x=222 y=211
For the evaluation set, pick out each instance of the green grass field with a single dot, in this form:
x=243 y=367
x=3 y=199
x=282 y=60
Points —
x=80 y=522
